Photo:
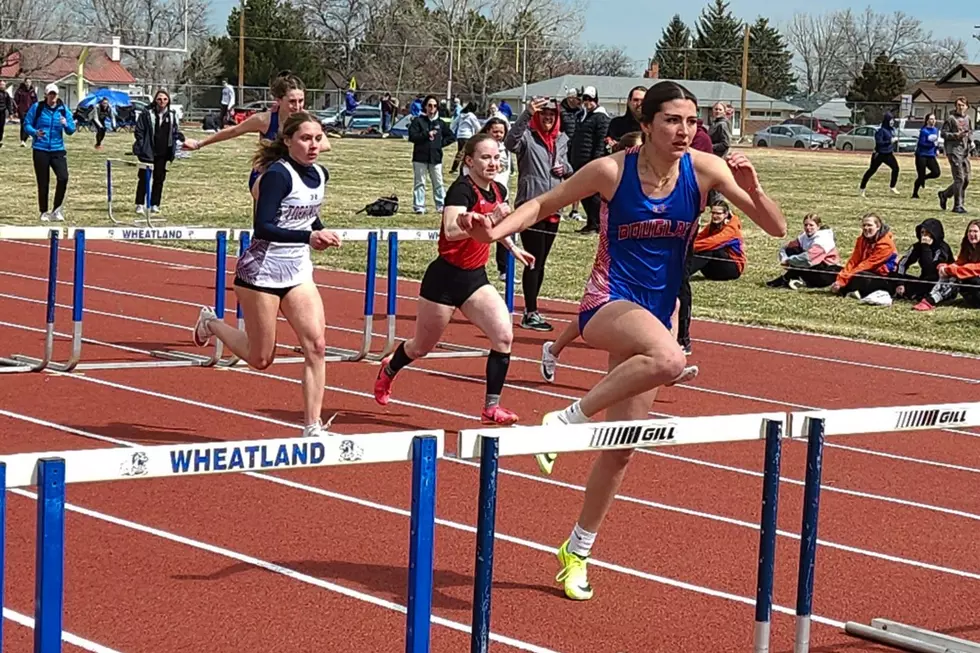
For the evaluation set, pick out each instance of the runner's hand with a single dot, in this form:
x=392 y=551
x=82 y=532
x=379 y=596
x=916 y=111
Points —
x=524 y=257
x=320 y=240
x=500 y=212
x=744 y=172
x=480 y=228
x=191 y=144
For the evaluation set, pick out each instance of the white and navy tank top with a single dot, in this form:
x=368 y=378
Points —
x=283 y=262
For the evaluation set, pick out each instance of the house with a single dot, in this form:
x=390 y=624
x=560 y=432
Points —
x=614 y=91
x=61 y=67
x=834 y=109
x=939 y=97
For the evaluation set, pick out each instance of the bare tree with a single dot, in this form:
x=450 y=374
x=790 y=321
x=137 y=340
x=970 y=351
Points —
x=155 y=23
x=32 y=20
x=602 y=60
x=818 y=43
x=342 y=24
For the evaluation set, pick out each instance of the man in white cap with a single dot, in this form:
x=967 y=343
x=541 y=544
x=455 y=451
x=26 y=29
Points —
x=46 y=122
x=589 y=143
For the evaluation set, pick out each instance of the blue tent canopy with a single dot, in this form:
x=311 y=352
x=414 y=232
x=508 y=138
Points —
x=116 y=98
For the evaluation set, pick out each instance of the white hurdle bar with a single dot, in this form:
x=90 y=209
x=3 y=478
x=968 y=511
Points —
x=814 y=426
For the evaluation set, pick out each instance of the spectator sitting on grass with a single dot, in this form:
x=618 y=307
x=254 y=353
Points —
x=961 y=277
x=719 y=249
x=930 y=251
x=874 y=258
x=811 y=259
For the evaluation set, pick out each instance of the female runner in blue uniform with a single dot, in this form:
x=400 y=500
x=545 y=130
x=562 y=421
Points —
x=655 y=193
x=289 y=93
x=275 y=272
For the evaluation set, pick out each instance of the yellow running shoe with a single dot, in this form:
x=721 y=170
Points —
x=573 y=575
x=546 y=461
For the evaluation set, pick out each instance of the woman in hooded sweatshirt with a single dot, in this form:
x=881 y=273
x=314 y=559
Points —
x=874 y=258
x=926 y=165
x=961 y=277
x=885 y=140
x=811 y=259
x=541 y=149
x=929 y=251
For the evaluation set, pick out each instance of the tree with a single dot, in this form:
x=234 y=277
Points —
x=41 y=20
x=819 y=45
x=770 y=62
x=342 y=25
x=873 y=91
x=156 y=23
x=601 y=60
x=719 y=44
x=673 y=51
x=275 y=39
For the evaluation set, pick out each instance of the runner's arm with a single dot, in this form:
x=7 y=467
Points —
x=736 y=179
x=256 y=123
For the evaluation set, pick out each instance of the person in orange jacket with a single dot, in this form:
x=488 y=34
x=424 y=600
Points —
x=962 y=277
x=718 y=253
x=874 y=258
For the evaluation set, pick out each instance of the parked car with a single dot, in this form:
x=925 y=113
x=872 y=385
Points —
x=796 y=136
x=862 y=139
x=823 y=126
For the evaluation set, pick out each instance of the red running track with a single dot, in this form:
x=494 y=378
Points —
x=192 y=564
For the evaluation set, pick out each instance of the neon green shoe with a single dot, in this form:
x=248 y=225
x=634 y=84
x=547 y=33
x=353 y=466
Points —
x=546 y=461
x=573 y=575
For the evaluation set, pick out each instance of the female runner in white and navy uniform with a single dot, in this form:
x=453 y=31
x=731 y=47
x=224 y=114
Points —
x=275 y=272
x=458 y=279
x=654 y=193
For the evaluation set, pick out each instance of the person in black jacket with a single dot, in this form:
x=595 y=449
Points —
x=156 y=134
x=929 y=251
x=629 y=122
x=6 y=108
x=570 y=111
x=428 y=134
x=588 y=144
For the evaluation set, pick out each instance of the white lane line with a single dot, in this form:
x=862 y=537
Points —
x=281 y=570
x=66 y=636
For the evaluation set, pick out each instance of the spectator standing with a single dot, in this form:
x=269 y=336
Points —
x=630 y=120
x=24 y=99
x=156 y=135
x=6 y=108
x=957 y=133
x=227 y=102
x=429 y=134
x=588 y=144
x=46 y=123
x=720 y=130
x=466 y=125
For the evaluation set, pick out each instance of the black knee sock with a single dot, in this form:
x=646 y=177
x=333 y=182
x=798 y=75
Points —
x=497 y=364
x=398 y=361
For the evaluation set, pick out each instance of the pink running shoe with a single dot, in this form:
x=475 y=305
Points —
x=498 y=415
x=382 y=385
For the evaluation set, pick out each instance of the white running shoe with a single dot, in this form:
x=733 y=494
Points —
x=315 y=430
x=58 y=215
x=202 y=334
x=548 y=362
x=688 y=373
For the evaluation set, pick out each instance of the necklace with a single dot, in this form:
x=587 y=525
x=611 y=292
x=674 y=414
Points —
x=662 y=180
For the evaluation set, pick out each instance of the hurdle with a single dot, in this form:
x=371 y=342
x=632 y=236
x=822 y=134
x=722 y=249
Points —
x=148 y=176
x=814 y=426
x=488 y=445
x=80 y=236
x=16 y=363
x=52 y=471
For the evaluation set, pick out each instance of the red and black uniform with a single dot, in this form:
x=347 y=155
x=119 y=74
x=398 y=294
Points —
x=460 y=269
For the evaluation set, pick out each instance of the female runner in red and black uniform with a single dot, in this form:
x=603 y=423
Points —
x=458 y=279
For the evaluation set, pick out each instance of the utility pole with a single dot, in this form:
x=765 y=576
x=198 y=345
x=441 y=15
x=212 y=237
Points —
x=241 y=53
x=745 y=82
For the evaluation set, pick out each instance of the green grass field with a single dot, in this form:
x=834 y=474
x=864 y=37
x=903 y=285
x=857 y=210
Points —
x=210 y=189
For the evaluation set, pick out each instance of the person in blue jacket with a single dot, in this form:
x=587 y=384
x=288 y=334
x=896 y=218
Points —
x=926 y=165
x=885 y=141
x=46 y=122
